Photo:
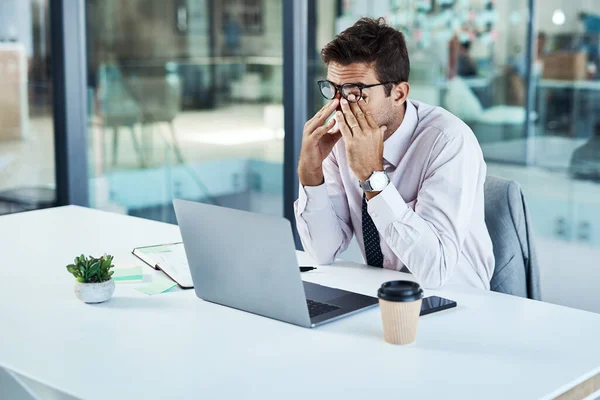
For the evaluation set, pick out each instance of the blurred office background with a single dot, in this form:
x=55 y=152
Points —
x=185 y=98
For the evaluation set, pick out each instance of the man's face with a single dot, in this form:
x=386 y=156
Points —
x=380 y=105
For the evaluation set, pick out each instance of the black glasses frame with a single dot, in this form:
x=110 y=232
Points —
x=340 y=89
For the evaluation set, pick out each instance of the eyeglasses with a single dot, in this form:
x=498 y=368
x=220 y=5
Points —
x=329 y=89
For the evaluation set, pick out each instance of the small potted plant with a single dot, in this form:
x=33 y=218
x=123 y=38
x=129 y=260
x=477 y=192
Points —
x=94 y=282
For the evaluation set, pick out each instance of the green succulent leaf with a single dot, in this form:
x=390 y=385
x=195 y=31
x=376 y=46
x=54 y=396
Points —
x=91 y=269
x=73 y=270
x=95 y=267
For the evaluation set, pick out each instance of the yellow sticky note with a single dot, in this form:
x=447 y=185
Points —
x=157 y=286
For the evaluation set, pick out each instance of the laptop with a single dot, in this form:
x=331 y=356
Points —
x=247 y=261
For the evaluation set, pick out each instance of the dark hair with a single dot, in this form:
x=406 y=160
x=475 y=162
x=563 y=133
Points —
x=371 y=41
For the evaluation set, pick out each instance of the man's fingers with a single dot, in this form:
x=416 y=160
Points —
x=344 y=128
x=325 y=111
x=320 y=117
x=331 y=140
x=360 y=117
x=320 y=131
x=368 y=114
x=350 y=118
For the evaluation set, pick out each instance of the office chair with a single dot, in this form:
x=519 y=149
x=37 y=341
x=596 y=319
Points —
x=507 y=220
x=160 y=100
x=118 y=108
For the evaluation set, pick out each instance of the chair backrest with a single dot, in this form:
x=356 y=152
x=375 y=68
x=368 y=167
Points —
x=160 y=97
x=507 y=220
x=139 y=97
x=118 y=107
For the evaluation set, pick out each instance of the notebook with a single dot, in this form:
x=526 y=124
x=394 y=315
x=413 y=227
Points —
x=170 y=259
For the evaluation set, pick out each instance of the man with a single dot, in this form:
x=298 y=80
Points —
x=404 y=177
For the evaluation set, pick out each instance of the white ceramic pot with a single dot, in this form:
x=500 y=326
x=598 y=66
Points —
x=95 y=292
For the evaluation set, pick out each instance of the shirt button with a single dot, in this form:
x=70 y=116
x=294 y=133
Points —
x=374 y=214
x=387 y=262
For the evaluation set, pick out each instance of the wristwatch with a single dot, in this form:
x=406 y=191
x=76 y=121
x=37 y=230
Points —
x=376 y=182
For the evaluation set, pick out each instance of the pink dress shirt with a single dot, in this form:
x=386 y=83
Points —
x=430 y=217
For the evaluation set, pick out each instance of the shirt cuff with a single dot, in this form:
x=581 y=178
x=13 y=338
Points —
x=313 y=198
x=387 y=207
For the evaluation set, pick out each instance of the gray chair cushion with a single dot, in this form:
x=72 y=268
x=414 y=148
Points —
x=507 y=220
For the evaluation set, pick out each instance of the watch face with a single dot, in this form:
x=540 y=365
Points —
x=378 y=181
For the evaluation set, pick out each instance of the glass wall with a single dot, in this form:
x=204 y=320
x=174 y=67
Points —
x=470 y=57
x=26 y=122
x=565 y=174
x=186 y=102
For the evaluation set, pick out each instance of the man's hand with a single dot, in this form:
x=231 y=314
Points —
x=363 y=138
x=317 y=143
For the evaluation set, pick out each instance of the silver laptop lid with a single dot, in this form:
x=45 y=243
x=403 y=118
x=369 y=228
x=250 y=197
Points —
x=243 y=260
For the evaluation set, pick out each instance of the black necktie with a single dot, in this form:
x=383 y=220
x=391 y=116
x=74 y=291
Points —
x=371 y=238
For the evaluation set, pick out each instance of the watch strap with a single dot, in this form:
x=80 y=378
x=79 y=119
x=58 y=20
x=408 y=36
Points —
x=366 y=186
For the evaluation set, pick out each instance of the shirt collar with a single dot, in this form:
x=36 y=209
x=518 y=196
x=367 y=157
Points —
x=396 y=145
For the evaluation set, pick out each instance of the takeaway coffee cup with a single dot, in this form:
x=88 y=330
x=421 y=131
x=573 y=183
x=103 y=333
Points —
x=400 y=305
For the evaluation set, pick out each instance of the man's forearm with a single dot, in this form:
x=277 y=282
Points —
x=309 y=177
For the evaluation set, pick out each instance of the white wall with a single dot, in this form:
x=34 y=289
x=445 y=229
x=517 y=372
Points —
x=15 y=22
x=325 y=22
x=512 y=29
x=270 y=43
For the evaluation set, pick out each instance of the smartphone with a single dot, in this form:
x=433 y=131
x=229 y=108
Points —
x=433 y=304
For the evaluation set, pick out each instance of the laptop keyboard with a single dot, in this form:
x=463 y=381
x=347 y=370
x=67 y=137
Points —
x=315 y=308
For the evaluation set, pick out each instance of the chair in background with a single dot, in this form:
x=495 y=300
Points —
x=507 y=220
x=118 y=108
x=160 y=101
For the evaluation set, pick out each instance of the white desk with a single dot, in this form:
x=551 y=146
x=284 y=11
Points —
x=175 y=346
